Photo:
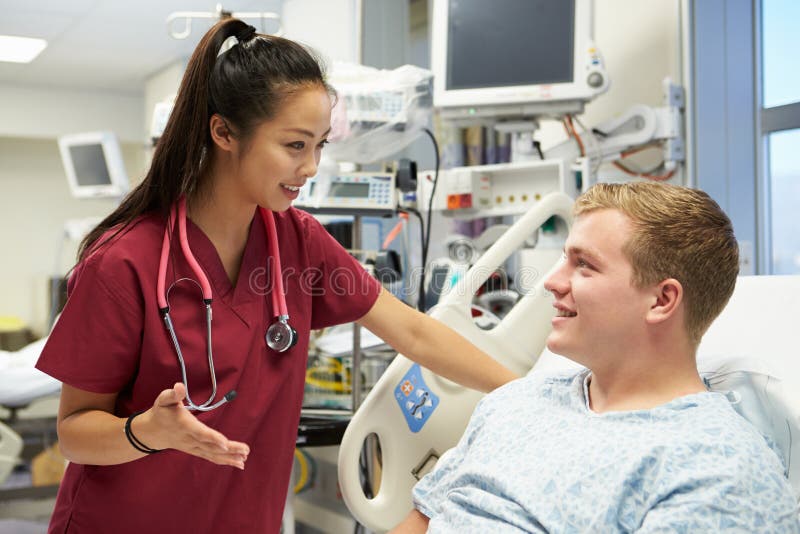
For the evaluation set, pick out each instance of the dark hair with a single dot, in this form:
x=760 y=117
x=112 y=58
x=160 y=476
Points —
x=245 y=85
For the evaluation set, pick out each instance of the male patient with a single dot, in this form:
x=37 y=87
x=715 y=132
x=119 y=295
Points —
x=635 y=441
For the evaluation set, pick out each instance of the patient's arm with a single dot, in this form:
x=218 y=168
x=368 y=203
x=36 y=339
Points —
x=414 y=522
x=728 y=504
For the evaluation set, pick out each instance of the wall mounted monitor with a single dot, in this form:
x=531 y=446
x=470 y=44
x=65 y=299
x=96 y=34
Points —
x=93 y=164
x=514 y=58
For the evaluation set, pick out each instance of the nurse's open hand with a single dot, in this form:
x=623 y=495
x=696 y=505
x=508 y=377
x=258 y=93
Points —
x=172 y=426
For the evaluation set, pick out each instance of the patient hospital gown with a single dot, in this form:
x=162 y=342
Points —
x=535 y=458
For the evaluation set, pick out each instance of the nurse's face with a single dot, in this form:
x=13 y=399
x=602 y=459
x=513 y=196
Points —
x=284 y=152
x=600 y=314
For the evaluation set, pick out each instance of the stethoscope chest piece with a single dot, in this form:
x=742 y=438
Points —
x=280 y=336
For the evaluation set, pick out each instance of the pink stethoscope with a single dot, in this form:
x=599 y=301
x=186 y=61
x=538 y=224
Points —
x=280 y=335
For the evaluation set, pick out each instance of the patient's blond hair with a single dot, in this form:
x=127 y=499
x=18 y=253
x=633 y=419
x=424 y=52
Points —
x=678 y=233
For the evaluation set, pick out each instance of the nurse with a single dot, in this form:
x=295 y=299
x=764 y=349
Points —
x=246 y=132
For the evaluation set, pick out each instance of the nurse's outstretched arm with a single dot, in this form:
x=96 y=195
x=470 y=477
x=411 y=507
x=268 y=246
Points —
x=90 y=433
x=433 y=345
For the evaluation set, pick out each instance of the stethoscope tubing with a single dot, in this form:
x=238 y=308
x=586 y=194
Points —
x=278 y=297
x=206 y=406
x=178 y=213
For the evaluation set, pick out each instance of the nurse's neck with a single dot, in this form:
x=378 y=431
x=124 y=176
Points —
x=225 y=220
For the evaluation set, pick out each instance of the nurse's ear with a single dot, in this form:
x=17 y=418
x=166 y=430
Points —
x=221 y=133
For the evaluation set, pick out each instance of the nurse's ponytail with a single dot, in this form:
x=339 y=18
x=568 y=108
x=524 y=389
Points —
x=245 y=84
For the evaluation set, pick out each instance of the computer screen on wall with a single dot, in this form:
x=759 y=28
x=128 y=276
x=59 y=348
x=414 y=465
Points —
x=93 y=165
x=536 y=45
x=514 y=57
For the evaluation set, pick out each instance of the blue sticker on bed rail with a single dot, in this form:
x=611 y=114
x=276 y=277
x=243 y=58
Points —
x=416 y=400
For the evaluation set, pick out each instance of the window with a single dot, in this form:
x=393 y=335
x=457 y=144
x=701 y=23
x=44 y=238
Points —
x=780 y=40
x=780 y=132
x=784 y=177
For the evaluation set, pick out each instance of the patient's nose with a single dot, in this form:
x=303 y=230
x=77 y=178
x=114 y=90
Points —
x=557 y=283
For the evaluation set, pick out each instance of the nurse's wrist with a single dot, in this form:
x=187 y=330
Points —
x=141 y=433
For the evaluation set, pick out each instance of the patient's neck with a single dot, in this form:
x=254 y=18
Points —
x=643 y=381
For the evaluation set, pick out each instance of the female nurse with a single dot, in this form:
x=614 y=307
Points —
x=246 y=132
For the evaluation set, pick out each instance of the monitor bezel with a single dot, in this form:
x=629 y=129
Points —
x=114 y=163
x=578 y=91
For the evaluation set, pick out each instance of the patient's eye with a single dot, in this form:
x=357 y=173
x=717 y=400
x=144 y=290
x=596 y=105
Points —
x=582 y=263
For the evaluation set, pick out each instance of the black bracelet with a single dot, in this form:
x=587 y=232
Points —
x=138 y=445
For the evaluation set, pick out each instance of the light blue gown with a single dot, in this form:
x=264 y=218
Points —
x=535 y=458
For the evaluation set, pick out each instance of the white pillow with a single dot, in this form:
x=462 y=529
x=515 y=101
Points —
x=761 y=397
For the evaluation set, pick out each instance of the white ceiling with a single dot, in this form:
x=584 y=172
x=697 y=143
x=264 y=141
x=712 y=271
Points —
x=111 y=45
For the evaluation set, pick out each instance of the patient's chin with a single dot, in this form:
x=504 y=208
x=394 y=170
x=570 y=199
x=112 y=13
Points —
x=558 y=345
x=554 y=346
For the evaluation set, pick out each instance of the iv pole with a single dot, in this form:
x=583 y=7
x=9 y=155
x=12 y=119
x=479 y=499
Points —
x=218 y=14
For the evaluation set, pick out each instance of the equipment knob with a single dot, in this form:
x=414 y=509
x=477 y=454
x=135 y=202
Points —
x=595 y=79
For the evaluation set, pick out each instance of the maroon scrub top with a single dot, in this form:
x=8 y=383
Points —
x=110 y=338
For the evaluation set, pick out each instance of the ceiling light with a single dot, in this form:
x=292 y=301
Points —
x=20 y=49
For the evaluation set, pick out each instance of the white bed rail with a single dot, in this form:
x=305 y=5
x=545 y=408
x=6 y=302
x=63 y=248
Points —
x=408 y=453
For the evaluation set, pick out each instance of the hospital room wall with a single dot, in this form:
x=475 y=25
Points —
x=35 y=200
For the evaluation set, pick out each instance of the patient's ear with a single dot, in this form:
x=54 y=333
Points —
x=668 y=296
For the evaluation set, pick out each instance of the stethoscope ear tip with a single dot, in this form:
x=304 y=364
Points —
x=229 y=396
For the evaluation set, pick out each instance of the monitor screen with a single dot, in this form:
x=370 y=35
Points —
x=513 y=43
x=351 y=190
x=93 y=165
x=90 y=165
x=514 y=59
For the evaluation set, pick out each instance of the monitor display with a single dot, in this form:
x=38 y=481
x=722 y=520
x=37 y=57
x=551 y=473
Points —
x=349 y=190
x=514 y=59
x=521 y=43
x=93 y=165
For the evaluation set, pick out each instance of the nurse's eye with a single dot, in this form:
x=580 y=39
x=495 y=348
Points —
x=297 y=145
x=323 y=143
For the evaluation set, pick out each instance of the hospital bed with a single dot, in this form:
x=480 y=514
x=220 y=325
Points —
x=750 y=353
x=20 y=385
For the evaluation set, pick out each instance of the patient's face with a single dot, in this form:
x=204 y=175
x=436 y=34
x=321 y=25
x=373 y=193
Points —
x=599 y=313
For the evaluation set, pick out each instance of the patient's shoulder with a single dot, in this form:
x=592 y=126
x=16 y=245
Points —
x=713 y=428
x=537 y=379
x=558 y=386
